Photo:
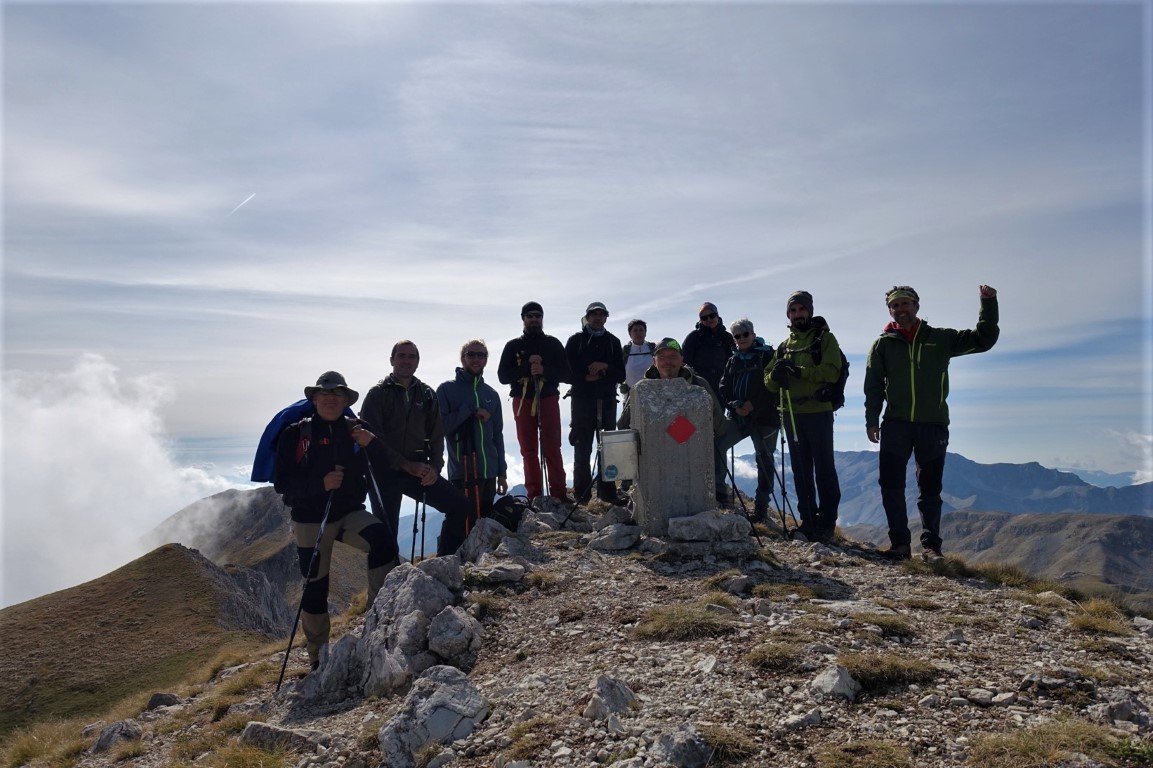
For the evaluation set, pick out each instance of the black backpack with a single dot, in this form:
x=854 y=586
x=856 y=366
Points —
x=833 y=392
x=509 y=510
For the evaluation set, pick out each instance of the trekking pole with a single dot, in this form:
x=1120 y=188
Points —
x=733 y=469
x=424 y=496
x=744 y=509
x=307 y=574
x=784 y=488
x=415 y=529
x=546 y=485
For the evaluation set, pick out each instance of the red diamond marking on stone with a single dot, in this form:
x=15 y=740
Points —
x=681 y=429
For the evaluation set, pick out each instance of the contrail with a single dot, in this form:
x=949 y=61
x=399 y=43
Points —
x=237 y=208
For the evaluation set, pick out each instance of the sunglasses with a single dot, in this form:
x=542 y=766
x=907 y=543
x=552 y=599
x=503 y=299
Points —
x=534 y=315
x=476 y=355
x=744 y=335
x=710 y=316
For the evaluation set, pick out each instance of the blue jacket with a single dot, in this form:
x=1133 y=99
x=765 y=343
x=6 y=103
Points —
x=459 y=400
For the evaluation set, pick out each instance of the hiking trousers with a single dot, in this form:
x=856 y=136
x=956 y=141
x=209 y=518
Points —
x=582 y=436
x=532 y=436
x=441 y=496
x=814 y=472
x=764 y=439
x=927 y=444
x=358 y=528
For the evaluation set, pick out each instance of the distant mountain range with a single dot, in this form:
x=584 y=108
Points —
x=1010 y=488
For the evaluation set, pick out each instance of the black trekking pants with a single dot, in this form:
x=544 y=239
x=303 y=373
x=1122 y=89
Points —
x=441 y=495
x=814 y=472
x=927 y=444
x=582 y=437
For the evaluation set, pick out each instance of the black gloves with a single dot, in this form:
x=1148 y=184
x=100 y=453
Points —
x=781 y=372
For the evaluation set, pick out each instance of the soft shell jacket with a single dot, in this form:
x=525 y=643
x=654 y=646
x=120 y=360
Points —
x=307 y=451
x=686 y=373
x=459 y=400
x=582 y=349
x=407 y=419
x=515 y=370
x=912 y=380
x=744 y=379
x=706 y=351
x=813 y=376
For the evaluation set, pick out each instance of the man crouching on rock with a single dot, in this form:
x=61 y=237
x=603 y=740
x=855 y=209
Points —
x=322 y=466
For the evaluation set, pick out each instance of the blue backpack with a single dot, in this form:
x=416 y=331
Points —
x=264 y=465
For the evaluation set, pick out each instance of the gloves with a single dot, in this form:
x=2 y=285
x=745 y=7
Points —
x=781 y=372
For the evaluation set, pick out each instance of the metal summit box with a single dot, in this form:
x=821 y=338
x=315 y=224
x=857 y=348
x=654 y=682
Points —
x=619 y=454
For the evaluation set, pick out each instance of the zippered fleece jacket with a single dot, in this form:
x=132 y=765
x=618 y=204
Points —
x=403 y=418
x=459 y=400
x=802 y=390
x=912 y=379
x=515 y=370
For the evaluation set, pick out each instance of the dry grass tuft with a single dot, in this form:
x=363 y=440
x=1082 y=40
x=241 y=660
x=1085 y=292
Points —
x=864 y=754
x=57 y=743
x=545 y=581
x=487 y=604
x=730 y=745
x=717 y=580
x=880 y=671
x=530 y=737
x=892 y=625
x=245 y=756
x=782 y=591
x=127 y=750
x=1052 y=743
x=774 y=656
x=248 y=679
x=1100 y=616
x=682 y=622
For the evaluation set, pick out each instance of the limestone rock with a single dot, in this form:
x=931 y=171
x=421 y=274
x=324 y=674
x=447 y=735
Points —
x=1119 y=705
x=611 y=697
x=614 y=515
x=272 y=737
x=163 y=700
x=408 y=589
x=683 y=748
x=455 y=637
x=485 y=536
x=616 y=537
x=446 y=570
x=125 y=730
x=442 y=706
x=710 y=525
x=836 y=681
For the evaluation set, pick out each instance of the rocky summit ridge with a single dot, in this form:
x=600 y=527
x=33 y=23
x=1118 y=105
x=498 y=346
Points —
x=592 y=645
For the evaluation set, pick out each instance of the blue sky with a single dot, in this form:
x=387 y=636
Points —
x=421 y=170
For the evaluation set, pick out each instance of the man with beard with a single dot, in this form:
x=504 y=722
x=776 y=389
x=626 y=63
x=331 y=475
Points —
x=403 y=412
x=707 y=349
x=474 y=427
x=908 y=371
x=596 y=363
x=534 y=365
x=806 y=362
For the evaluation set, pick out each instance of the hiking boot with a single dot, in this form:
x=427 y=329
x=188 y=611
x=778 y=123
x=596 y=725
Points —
x=760 y=514
x=930 y=555
x=898 y=552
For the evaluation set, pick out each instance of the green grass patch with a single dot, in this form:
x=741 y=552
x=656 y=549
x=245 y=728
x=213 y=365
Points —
x=682 y=622
x=883 y=671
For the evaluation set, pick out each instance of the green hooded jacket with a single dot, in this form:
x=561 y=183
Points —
x=912 y=380
x=802 y=391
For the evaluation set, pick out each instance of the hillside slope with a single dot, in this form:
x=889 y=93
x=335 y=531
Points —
x=145 y=624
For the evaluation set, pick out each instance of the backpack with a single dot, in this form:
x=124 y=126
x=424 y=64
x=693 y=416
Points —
x=509 y=510
x=833 y=392
x=264 y=464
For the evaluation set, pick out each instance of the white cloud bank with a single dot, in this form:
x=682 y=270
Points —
x=86 y=474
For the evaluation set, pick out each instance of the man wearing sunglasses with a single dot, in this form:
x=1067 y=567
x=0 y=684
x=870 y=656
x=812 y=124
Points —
x=534 y=366
x=709 y=346
x=474 y=430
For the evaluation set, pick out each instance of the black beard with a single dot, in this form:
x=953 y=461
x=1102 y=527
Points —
x=802 y=325
x=535 y=331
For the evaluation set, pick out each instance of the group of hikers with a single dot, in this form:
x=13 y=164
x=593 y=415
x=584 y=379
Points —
x=326 y=463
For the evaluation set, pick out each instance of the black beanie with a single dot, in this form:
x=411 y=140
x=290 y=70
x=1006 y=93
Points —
x=532 y=306
x=804 y=298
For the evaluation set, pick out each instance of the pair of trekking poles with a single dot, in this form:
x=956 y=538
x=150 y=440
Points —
x=312 y=564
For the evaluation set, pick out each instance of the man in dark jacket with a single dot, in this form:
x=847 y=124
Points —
x=321 y=465
x=597 y=366
x=403 y=411
x=708 y=346
x=753 y=410
x=807 y=361
x=908 y=372
x=534 y=365
x=474 y=429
